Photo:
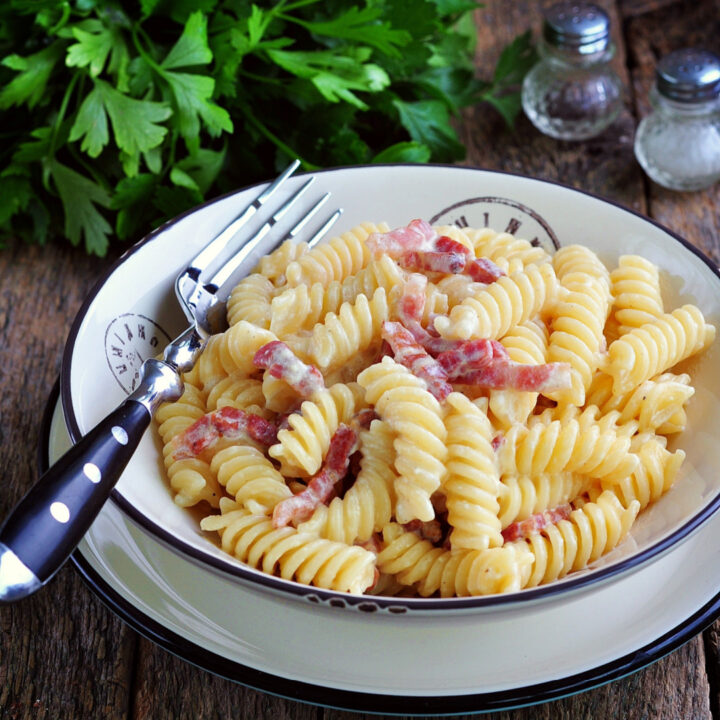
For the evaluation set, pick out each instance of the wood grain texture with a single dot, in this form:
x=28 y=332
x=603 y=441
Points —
x=63 y=655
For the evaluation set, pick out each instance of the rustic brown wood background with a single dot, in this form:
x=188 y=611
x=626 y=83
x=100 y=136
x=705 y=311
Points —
x=64 y=655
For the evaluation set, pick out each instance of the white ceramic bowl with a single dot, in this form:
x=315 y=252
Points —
x=132 y=313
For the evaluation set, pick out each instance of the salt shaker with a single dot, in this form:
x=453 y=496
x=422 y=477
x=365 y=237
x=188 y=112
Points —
x=678 y=144
x=573 y=93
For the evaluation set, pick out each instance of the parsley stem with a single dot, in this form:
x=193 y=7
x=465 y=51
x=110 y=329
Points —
x=299 y=4
x=142 y=52
x=277 y=141
x=61 y=112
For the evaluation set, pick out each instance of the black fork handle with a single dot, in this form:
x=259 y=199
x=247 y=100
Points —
x=47 y=524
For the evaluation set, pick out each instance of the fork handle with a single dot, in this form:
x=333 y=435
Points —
x=47 y=524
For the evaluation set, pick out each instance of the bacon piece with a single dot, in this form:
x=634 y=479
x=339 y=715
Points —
x=228 y=422
x=430 y=530
x=433 y=261
x=321 y=488
x=468 y=355
x=446 y=244
x=361 y=420
x=535 y=523
x=412 y=355
x=507 y=375
x=483 y=270
x=281 y=362
x=497 y=442
x=417 y=235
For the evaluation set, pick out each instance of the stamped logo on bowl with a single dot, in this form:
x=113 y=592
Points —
x=503 y=215
x=130 y=339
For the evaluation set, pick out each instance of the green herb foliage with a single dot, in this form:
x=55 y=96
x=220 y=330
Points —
x=118 y=115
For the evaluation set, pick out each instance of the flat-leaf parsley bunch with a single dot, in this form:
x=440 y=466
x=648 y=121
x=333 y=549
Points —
x=119 y=115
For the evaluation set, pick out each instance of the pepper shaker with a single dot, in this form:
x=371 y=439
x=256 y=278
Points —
x=678 y=144
x=573 y=93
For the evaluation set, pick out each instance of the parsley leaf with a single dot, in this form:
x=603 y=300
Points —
x=34 y=72
x=428 y=123
x=335 y=76
x=360 y=26
x=79 y=197
x=133 y=121
x=117 y=115
x=192 y=94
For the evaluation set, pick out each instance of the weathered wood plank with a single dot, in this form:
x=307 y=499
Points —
x=62 y=654
x=168 y=688
x=694 y=216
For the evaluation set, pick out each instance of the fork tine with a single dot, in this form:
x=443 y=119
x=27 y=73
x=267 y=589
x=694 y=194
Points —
x=229 y=267
x=320 y=232
x=213 y=249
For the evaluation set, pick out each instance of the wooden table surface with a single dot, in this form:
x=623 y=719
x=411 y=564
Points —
x=64 y=655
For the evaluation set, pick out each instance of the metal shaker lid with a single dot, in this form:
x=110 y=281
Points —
x=689 y=75
x=582 y=27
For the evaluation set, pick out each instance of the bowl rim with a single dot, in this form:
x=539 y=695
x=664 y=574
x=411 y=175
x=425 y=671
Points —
x=371 y=603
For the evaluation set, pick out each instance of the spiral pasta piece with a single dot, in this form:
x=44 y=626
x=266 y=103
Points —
x=655 y=404
x=273 y=266
x=250 y=300
x=654 y=476
x=494 y=245
x=302 y=307
x=238 y=345
x=636 y=289
x=336 y=259
x=249 y=477
x=457 y=288
x=578 y=320
x=573 y=544
x=368 y=504
x=509 y=301
x=289 y=554
x=522 y=496
x=403 y=401
x=570 y=445
x=472 y=484
x=237 y=391
x=191 y=479
x=657 y=346
x=526 y=343
x=300 y=450
x=354 y=329
x=432 y=570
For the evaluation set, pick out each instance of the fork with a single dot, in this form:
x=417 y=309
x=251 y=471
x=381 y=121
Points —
x=51 y=519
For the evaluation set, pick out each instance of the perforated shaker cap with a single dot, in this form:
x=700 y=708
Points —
x=689 y=75
x=582 y=27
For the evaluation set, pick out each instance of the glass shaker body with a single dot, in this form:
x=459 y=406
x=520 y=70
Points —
x=571 y=96
x=678 y=144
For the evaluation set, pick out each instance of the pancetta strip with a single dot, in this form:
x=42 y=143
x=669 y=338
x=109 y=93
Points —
x=321 y=487
x=281 y=362
x=507 y=375
x=535 y=523
x=227 y=422
x=412 y=355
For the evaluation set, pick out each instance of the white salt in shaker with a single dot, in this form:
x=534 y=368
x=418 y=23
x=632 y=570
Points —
x=678 y=144
x=573 y=93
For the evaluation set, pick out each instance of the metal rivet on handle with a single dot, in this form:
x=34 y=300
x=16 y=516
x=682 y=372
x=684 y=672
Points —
x=60 y=512
x=92 y=472
x=119 y=434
